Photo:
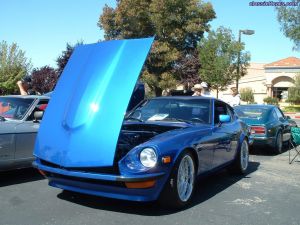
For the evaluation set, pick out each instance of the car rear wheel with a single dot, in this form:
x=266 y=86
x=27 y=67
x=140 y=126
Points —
x=278 y=143
x=241 y=162
x=179 y=189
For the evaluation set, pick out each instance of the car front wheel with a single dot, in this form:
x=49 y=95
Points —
x=180 y=186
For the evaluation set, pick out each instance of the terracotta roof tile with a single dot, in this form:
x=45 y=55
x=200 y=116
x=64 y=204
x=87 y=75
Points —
x=287 y=62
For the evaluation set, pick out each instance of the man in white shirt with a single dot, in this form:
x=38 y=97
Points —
x=235 y=98
x=205 y=90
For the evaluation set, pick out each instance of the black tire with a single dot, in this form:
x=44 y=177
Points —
x=170 y=196
x=278 y=143
x=241 y=161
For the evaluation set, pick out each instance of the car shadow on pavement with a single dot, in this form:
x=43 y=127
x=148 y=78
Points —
x=206 y=188
x=13 y=177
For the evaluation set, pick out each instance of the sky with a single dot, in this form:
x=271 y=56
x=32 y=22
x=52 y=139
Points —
x=42 y=28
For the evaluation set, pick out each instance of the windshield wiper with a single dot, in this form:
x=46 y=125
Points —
x=133 y=118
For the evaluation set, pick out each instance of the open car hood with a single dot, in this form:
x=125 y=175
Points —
x=83 y=119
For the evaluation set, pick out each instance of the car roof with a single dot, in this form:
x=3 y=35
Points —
x=26 y=96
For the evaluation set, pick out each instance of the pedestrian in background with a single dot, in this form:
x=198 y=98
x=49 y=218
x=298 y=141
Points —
x=197 y=90
x=205 y=90
x=235 y=98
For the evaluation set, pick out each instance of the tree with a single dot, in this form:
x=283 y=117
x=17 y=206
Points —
x=218 y=57
x=63 y=59
x=44 y=79
x=178 y=25
x=13 y=67
x=247 y=95
x=294 y=92
x=187 y=69
x=289 y=19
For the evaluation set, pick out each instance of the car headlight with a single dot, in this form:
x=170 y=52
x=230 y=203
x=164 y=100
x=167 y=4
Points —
x=148 y=157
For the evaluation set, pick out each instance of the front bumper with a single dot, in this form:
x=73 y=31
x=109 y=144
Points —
x=105 y=185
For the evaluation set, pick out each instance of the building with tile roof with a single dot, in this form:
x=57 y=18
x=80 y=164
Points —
x=268 y=80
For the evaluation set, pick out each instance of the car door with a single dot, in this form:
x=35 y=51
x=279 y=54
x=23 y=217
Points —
x=7 y=141
x=225 y=134
x=284 y=125
x=26 y=133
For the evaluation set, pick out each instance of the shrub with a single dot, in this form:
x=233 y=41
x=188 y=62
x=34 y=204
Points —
x=271 y=101
x=247 y=95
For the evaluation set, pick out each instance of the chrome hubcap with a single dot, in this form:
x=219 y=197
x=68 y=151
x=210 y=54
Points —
x=244 y=155
x=185 y=178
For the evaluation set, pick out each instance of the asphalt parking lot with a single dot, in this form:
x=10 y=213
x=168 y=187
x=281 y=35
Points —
x=268 y=194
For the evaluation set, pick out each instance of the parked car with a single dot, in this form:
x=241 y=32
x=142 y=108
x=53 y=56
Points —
x=157 y=151
x=269 y=126
x=18 y=129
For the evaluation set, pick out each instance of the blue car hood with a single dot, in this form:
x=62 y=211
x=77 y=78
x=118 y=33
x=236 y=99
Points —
x=83 y=119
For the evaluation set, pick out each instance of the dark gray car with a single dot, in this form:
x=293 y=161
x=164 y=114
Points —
x=18 y=129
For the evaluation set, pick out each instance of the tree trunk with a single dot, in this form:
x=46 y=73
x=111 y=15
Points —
x=217 y=92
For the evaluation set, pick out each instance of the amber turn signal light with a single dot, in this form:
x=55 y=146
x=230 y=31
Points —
x=166 y=159
x=144 y=184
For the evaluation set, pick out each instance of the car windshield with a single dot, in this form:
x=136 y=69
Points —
x=14 y=108
x=173 y=110
x=252 y=112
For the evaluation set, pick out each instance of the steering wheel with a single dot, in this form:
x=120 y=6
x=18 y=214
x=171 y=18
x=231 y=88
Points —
x=198 y=119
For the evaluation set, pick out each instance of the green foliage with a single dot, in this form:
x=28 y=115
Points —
x=13 y=67
x=289 y=19
x=291 y=108
x=271 y=101
x=294 y=92
x=178 y=25
x=247 y=95
x=218 y=55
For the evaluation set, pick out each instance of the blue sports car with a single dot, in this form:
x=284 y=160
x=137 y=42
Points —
x=86 y=145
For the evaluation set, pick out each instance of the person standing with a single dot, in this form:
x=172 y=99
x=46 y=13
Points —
x=197 y=90
x=205 y=90
x=235 y=98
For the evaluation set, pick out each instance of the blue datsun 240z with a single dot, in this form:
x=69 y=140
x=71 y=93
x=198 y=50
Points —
x=85 y=145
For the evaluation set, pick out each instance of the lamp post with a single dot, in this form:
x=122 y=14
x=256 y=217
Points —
x=246 y=32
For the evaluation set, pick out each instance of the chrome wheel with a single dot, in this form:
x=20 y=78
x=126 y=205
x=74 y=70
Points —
x=244 y=155
x=185 y=178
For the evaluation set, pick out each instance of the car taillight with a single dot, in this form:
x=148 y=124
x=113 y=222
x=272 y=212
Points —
x=258 y=130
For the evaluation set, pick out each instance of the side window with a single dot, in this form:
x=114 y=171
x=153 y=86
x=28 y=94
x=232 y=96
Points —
x=274 y=115
x=230 y=113
x=220 y=109
x=41 y=106
x=279 y=113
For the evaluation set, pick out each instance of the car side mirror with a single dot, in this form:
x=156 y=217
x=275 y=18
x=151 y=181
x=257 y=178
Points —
x=224 y=118
x=38 y=115
x=288 y=117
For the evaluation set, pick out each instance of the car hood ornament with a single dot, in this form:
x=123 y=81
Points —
x=84 y=116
